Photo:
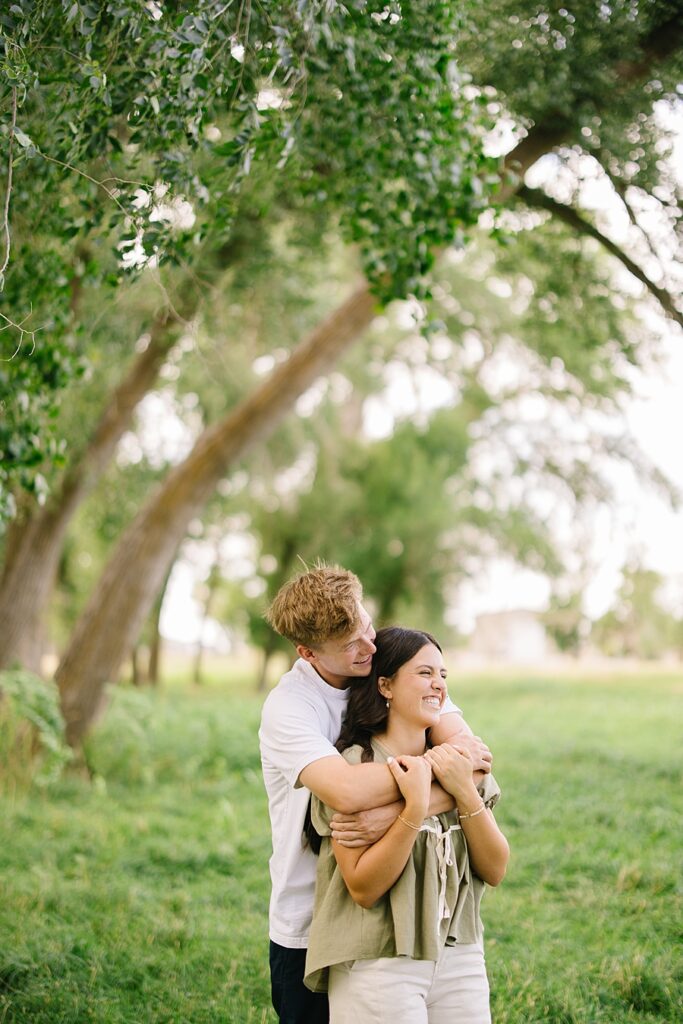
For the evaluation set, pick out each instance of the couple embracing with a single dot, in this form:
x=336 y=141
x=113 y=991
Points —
x=380 y=804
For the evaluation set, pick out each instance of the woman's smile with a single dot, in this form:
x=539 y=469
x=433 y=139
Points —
x=434 y=700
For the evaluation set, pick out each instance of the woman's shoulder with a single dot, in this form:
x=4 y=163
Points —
x=353 y=754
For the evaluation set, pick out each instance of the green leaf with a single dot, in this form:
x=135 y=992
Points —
x=23 y=139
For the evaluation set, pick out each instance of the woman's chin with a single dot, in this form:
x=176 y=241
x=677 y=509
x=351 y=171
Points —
x=428 y=719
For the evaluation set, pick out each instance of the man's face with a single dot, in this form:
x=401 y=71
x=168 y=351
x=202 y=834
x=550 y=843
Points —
x=344 y=657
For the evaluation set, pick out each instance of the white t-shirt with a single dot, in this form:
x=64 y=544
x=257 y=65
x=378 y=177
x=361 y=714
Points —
x=300 y=723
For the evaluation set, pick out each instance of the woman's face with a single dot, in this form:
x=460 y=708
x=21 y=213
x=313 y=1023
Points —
x=418 y=690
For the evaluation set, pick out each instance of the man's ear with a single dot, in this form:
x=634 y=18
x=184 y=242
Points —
x=305 y=652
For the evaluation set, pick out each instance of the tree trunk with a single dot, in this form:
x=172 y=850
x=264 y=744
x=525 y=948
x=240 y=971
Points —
x=211 y=590
x=155 y=640
x=136 y=670
x=268 y=652
x=155 y=649
x=36 y=541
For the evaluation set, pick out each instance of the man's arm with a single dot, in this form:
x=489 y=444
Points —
x=453 y=728
x=366 y=827
x=349 y=787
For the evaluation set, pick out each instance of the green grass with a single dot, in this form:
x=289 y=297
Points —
x=141 y=896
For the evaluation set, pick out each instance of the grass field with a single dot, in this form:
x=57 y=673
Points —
x=140 y=897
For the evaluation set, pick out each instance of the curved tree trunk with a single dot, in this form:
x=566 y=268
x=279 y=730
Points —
x=36 y=541
x=111 y=621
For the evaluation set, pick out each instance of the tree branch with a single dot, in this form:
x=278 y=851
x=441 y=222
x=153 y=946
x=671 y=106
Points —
x=620 y=187
x=537 y=198
x=5 y=212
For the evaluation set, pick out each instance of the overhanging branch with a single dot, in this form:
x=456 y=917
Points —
x=539 y=199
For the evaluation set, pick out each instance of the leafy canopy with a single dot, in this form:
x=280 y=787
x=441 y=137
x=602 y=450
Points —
x=133 y=127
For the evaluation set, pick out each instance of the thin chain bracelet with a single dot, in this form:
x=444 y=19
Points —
x=472 y=814
x=409 y=823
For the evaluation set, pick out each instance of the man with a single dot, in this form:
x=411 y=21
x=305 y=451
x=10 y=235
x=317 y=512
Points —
x=322 y=614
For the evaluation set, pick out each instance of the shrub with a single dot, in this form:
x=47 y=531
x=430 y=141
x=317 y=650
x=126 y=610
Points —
x=33 y=748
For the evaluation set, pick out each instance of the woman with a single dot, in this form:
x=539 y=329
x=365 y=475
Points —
x=396 y=933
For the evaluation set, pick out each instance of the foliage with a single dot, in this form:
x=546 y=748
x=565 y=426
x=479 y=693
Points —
x=583 y=66
x=32 y=744
x=566 y=622
x=144 y=894
x=159 y=115
x=638 y=626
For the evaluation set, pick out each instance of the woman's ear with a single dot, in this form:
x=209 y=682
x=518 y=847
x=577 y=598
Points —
x=384 y=686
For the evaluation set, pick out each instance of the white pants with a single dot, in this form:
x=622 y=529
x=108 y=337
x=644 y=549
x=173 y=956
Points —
x=398 y=990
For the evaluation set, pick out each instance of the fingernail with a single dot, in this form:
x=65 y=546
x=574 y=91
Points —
x=389 y=760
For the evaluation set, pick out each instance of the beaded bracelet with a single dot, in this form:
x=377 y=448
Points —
x=409 y=823
x=472 y=814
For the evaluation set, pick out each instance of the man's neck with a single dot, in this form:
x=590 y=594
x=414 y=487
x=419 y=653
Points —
x=338 y=682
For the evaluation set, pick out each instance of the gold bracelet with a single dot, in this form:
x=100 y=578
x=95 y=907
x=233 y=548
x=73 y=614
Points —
x=472 y=814
x=409 y=823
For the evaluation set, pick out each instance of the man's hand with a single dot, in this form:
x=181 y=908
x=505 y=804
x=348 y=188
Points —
x=482 y=758
x=452 y=728
x=365 y=827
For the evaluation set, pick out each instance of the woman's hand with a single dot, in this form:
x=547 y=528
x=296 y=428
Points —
x=452 y=767
x=414 y=778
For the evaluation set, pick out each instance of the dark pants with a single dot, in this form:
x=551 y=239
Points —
x=293 y=1002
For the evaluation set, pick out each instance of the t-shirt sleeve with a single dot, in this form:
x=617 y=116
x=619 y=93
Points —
x=449 y=706
x=291 y=735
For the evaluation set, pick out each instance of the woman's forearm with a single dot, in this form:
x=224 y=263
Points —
x=370 y=873
x=487 y=847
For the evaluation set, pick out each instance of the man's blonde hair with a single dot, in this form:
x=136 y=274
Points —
x=317 y=605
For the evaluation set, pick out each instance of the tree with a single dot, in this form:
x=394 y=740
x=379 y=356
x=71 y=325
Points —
x=638 y=626
x=649 y=44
